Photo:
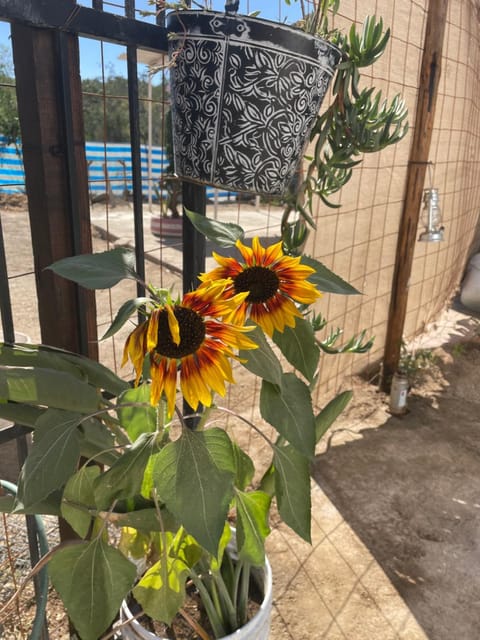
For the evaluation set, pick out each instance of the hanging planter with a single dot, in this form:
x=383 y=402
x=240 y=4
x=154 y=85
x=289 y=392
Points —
x=245 y=94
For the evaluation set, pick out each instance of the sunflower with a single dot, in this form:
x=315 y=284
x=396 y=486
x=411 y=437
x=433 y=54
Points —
x=193 y=336
x=274 y=282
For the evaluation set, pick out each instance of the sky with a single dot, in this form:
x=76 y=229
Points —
x=92 y=51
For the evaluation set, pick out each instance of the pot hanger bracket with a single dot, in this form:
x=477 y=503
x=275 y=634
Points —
x=231 y=6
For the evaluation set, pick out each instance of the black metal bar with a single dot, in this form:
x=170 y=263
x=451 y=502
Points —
x=68 y=16
x=133 y=104
x=12 y=433
x=5 y=300
x=194 y=245
x=73 y=210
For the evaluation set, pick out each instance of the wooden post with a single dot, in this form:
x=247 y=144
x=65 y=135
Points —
x=417 y=166
x=51 y=119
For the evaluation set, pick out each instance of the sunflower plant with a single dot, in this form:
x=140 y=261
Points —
x=150 y=459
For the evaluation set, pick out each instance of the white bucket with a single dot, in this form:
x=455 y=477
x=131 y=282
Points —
x=258 y=628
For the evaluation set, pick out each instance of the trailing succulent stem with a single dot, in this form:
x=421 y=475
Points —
x=358 y=121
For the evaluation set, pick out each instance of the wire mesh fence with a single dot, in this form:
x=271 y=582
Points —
x=358 y=241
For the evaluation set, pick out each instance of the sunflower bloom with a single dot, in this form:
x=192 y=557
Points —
x=193 y=339
x=274 y=282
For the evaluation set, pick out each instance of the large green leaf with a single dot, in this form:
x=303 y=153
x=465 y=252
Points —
x=27 y=355
x=46 y=387
x=140 y=417
x=327 y=281
x=224 y=234
x=53 y=457
x=144 y=520
x=97 y=442
x=20 y=413
x=327 y=416
x=92 y=579
x=6 y=504
x=262 y=361
x=124 y=479
x=125 y=312
x=161 y=591
x=78 y=498
x=292 y=489
x=252 y=525
x=193 y=487
x=98 y=270
x=299 y=347
x=289 y=409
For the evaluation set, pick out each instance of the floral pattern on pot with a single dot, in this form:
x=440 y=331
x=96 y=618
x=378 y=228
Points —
x=245 y=96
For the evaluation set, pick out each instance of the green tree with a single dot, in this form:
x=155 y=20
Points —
x=9 y=123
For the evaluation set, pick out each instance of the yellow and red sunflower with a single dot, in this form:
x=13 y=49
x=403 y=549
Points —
x=274 y=282
x=195 y=338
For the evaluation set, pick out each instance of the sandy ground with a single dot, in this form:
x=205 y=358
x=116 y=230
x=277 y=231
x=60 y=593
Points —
x=408 y=486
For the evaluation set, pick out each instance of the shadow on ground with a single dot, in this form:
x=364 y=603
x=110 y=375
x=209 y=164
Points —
x=410 y=489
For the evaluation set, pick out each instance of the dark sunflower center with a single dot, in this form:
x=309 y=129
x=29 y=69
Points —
x=192 y=333
x=262 y=283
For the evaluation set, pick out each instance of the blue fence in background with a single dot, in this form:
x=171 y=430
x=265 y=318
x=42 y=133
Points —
x=109 y=169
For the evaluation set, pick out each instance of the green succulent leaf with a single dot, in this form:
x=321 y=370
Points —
x=92 y=579
x=224 y=234
x=289 y=409
x=195 y=489
x=98 y=270
x=292 y=489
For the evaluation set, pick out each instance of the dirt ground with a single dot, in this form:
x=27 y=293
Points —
x=408 y=486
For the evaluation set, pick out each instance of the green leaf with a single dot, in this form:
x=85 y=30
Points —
x=327 y=281
x=97 y=442
x=50 y=506
x=193 y=487
x=54 y=389
x=124 y=479
x=327 y=416
x=20 y=413
x=78 y=498
x=92 y=579
x=145 y=520
x=127 y=309
x=289 y=409
x=98 y=270
x=138 y=419
x=244 y=467
x=252 y=525
x=292 y=489
x=224 y=234
x=299 y=347
x=262 y=362
x=161 y=591
x=53 y=457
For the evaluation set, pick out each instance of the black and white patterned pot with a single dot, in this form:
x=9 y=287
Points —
x=245 y=94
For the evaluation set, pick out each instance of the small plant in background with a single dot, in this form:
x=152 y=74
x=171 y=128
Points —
x=413 y=364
